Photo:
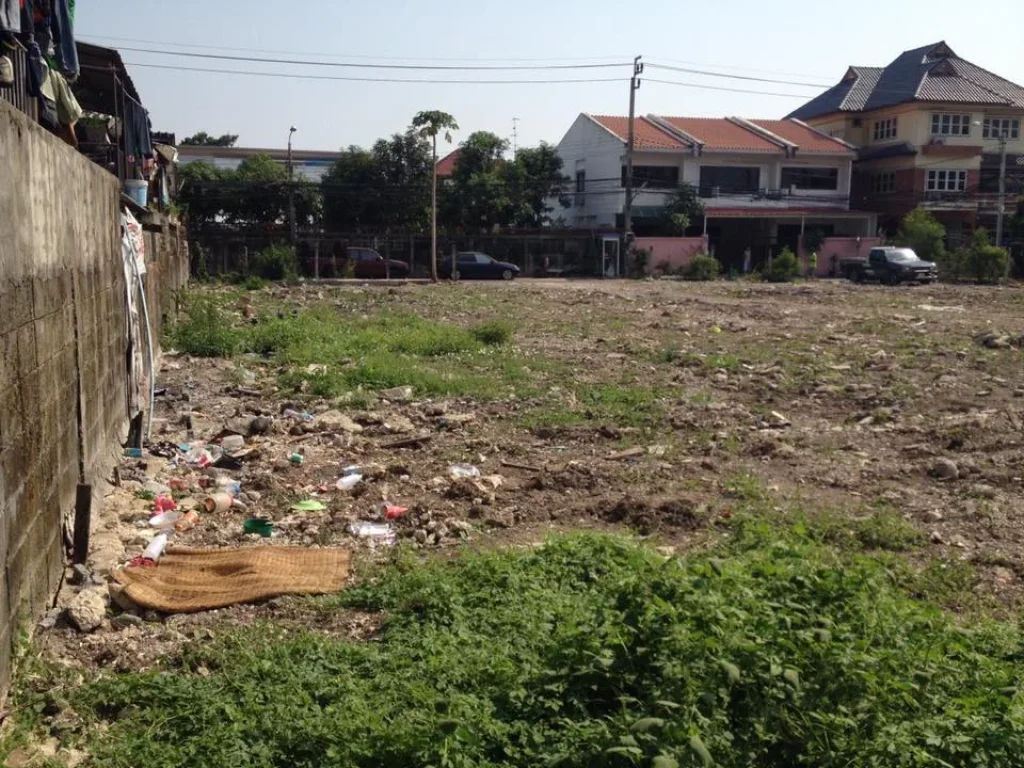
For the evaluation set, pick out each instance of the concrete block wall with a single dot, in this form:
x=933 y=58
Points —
x=63 y=347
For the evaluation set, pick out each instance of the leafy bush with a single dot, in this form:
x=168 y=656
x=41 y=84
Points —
x=639 y=258
x=784 y=267
x=206 y=331
x=703 y=266
x=589 y=651
x=493 y=333
x=276 y=262
x=986 y=263
x=953 y=264
x=922 y=232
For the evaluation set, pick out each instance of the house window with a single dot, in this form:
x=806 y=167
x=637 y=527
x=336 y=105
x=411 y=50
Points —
x=811 y=178
x=996 y=127
x=885 y=129
x=653 y=176
x=883 y=183
x=947 y=181
x=581 y=188
x=944 y=124
x=728 y=179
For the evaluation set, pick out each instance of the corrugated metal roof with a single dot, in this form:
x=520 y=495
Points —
x=930 y=73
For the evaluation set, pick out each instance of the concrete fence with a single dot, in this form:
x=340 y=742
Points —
x=63 y=351
x=835 y=249
x=670 y=253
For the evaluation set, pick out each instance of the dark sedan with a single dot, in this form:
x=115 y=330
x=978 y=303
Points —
x=368 y=264
x=471 y=265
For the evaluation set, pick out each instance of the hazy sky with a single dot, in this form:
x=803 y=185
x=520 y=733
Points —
x=806 y=42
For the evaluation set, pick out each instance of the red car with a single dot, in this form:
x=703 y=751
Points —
x=369 y=265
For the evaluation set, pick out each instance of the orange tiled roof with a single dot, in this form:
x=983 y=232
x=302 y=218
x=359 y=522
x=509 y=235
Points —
x=717 y=133
x=647 y=135
x=805 y=138
x=446 y=165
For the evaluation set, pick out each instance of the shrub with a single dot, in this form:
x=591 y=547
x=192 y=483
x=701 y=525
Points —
x=639 y=258
x=206 y=331
x=493 y=333
x=924 y=234
x=703 y=266
x=277 y=262
x=952 y=264
x=784 y=267
x=986 y=263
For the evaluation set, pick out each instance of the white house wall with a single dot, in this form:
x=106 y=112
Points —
x=592 y=148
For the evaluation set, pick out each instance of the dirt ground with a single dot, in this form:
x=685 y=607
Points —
x=657 y=407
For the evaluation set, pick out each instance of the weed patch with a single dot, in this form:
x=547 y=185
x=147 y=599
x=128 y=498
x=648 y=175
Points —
x=590 y=651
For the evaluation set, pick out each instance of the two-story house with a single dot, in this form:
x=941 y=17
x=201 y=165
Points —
x=762 y=182
x=929 y=129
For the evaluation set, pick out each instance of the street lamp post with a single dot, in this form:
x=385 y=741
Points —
x=291 y=188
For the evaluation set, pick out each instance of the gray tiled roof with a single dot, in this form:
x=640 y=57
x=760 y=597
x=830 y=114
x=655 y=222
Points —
x=930 y=73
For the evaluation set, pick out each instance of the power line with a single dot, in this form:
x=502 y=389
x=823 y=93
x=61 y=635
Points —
x=335 y=55
x=723 y=88
x=363 y=65
x=291 y=76
x=709 y=73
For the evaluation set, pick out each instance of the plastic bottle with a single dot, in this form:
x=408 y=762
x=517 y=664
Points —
x=156 y=547
x=228 y=485
x=348 y=482
x=219 y=502
x=463 y=472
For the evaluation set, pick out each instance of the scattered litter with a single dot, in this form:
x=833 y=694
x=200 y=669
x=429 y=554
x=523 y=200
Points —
x=232 y=443
x=259 y=525
x=367 y=530
x=166 y=519
x=164 y=504
x=391 y=512
x=190 y=580
x=221 y=502
x=310 y=505
x=296 y=458
x=495 y=481
x=632 y=453
x=932 y=308
x=463 y=472
x=156 y=548
x=657 y=450
x=188 y=522
x=133 y=453
x=290 y=413
x=348 y=482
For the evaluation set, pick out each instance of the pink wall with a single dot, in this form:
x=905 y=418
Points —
x=841 y=248
x=676 y=251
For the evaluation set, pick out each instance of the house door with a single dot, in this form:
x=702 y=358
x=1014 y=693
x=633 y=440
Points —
x=610 y=264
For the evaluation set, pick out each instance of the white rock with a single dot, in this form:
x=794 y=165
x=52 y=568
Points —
x=88 y=609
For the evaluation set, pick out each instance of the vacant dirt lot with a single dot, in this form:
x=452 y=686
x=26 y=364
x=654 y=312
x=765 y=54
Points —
x=665 y=408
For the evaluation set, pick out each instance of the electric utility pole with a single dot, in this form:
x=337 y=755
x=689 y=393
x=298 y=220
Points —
x=515 y=137
x=291 y=189
x=627 y=209
x=1001 y=209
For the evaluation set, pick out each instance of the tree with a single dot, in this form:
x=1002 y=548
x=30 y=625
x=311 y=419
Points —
x=478 y=197
x=682 y=209
x=203 y=139
x=535 y=178
x=351 y=190
x=985 y=262
x=262 y=191
x=924 y=234
x=430 y=124
x=202 y=193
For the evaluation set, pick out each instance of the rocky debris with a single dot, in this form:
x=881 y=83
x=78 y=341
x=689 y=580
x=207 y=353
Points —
x=430 y=528
x=87 y=610
x=399 y=425
x=647 y=517
x=126 y=620
x=80 y=576
x=336 y=421
x=397 y=394
x=993 y=340
x=945 y=469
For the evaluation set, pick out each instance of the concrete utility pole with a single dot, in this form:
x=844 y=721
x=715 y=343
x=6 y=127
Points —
x=1001 y=209
x=291 y=189
x=515 y=137
x=627 y=210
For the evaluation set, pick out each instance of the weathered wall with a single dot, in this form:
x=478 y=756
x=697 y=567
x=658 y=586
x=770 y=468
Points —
x=63 y=373
x=671 y=253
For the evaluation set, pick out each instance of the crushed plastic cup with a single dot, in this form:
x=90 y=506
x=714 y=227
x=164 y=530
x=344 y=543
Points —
x=219 y=502
x=463 y=472
x=164 y=504
x=189 y=521
x=166 y=519
x=348 y=482
x=133 y=453
x=290 y=413
x=391 y=511
x=355 y=469
x=296 y=458
x=228 y=485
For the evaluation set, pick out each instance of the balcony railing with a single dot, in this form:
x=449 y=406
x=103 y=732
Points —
x=18 y=94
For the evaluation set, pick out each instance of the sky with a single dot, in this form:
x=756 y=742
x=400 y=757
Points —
x=805 y=43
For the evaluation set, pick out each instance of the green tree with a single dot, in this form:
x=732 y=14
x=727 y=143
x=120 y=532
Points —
x=203 y=139
x=352 y=191
x=429 y=125
x=477 y=198
x=262 y=191
x=682 y=209
x=534 y=179
x=924 y=234
x=405 y=170
x=202 y=193
x=983 y=261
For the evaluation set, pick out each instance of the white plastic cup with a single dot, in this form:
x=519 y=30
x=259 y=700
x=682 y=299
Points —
x=156 y=547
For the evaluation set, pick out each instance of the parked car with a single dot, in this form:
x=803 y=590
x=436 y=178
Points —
x=890 y=266
x=472 y=265
x=368 y=264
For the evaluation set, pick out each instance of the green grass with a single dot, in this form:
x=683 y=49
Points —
x=368 y=351
x=607 y=404
x=590 y=651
